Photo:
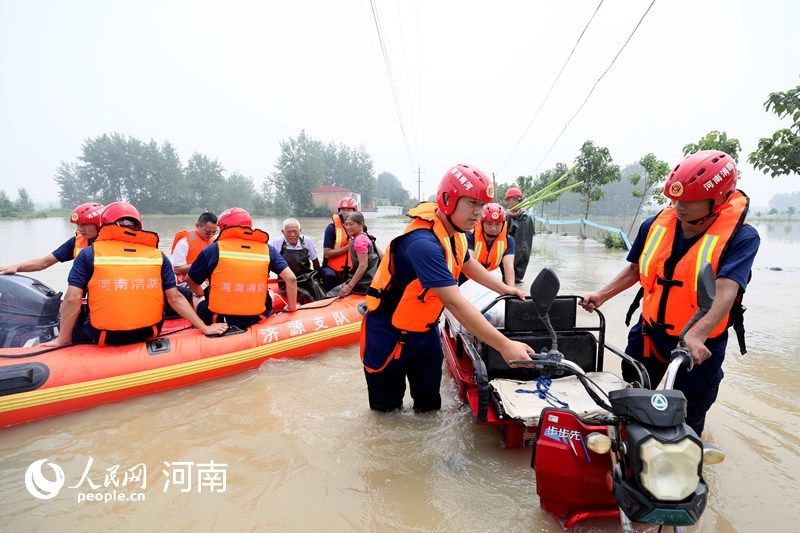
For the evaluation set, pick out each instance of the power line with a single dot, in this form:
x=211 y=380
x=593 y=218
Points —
x=391 y=81
x=594 y=86
x=552 y=86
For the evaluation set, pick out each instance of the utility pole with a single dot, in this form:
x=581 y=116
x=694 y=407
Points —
x=419 y=183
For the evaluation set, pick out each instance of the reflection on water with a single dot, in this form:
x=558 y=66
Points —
x=305 y=453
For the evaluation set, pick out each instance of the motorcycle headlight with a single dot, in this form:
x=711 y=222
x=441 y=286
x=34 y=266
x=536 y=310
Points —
x=670 y=471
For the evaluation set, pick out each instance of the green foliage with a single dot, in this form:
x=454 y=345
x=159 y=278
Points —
x=790 y=210
x=114 y=167
x=655 y=170
x=614 y=241
x=8 y=209
x=306 y=163
x=780 y=154
x=715 y=140
x=772 y=211
x=390 y=188
x=595 y=168
x=24 y=203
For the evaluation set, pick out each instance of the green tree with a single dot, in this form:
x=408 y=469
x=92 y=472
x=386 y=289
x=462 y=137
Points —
x=105 y=167
x=595 y=168
x=24 y=203
x=790 y=211
x=300 y=168
x=238 y=191
x=655 y=170
x=715 y=140
x=204 y=182
x=389 y=187
x=71 y=190
x=780 y=154
x=772 y=211
x=351 y=168
x=8 y=209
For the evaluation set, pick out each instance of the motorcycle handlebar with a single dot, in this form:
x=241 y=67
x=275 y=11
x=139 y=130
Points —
x=678 y=358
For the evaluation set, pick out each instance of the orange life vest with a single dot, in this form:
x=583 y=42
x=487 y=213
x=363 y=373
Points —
x=340 y=262
x=125 y=290
x=238 y=284
x=414 y=308
x=490 y=258
x=670 y=293
x=81 y=242
x=196 y=245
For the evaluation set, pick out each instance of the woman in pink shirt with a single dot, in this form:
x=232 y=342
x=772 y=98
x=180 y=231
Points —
x=364 y=257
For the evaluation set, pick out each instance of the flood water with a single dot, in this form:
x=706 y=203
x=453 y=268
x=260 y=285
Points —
x=304 y=452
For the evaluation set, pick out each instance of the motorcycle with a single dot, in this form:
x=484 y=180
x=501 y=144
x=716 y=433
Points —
x=640 y=461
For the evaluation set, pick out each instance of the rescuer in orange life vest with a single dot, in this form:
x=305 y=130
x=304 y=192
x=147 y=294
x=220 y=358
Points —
x=87 y=218
x=704 y=224
x=237 y=266
x=415 y=280
x=187 y=244
x=126 y=278
x=335 y=252
x=490 y=243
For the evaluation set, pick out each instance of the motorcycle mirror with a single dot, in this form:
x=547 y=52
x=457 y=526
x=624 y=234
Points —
x=706 y=287
x=544 y=290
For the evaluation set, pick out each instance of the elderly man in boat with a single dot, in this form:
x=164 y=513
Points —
x=126 y=278
x=237 y=266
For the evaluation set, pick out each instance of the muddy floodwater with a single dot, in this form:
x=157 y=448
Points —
x=302 y=451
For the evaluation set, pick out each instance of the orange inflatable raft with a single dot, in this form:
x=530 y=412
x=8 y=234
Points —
x=37 y=384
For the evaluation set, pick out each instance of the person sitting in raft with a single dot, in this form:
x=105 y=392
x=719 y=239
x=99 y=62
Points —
x=301 y=256
x=364 y=257
x=237 y=266
x=490 y=243
x=126 y=278
x=87 y=218
x=187 y=244
x=335 y=253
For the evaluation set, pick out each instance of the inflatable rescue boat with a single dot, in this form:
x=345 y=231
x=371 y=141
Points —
x=37 y=383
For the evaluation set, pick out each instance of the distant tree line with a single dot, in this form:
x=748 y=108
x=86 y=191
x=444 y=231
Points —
x=22 y=207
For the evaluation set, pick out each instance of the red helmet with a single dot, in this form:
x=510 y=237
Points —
x=235 y=216
x=88 y=213
x=347 y=203
x=493 y=213
x=705 y=175
x=513 y=192
x=119 y=210
x=463 y=181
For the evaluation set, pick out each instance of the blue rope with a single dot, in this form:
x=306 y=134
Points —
x=543 y=392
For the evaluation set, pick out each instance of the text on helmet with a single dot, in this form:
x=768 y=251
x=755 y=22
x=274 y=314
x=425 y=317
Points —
x=719 y=176
x=462 y=179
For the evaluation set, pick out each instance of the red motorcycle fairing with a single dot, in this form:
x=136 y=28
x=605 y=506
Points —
x=572 y=481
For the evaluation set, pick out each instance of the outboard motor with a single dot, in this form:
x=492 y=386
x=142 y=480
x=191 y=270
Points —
x=28 y=311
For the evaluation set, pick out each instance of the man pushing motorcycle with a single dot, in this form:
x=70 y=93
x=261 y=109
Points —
x=705 y=223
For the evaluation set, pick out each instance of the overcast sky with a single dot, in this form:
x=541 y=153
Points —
x=233 y=79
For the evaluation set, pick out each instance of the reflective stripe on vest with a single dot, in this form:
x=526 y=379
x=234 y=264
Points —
x=490 y=258
x=412 y=307
x=340 y=262
x=238 y=284
x=126 y=289
x=670 y=300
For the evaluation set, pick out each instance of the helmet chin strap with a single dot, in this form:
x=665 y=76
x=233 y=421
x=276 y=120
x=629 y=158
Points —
x=450 y=221
x=702 y=220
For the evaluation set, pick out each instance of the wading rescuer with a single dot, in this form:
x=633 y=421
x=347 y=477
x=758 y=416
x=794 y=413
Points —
x=335 y=252
x=491 y=245
x=704 y=224
x=126 y=278
x=521 y=227
x=237 y=266
x=87 y=218
x=415 y=280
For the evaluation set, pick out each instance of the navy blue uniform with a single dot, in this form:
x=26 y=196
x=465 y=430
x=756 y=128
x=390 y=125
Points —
x=66 y=251
x=79 y=275
x=420 y=358
x=204 y=265
x=701 y=385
